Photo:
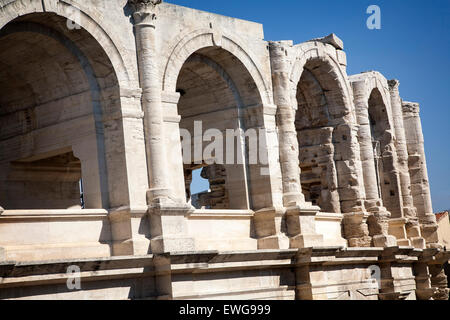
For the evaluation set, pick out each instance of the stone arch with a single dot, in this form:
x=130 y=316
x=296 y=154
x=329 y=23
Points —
x=79 y=82
x=310 y=51
x=382 y=132
x=374 y=97
x=376 y=81
x=326 y=129
x=16 y=9
x=217 y=88
x=191 y=42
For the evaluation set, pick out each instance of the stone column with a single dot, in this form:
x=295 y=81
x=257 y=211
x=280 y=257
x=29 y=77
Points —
x=167 y=213
x=379 y=219
x=420 y=188
x=424 y=290
x=408 y=209
x=373 y=199
x=436 y=259
x=289 y=150
x=351 y=185
x=144 y=22
x=298 y=216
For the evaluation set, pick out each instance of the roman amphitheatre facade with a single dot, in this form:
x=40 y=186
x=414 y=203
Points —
x=337 y=206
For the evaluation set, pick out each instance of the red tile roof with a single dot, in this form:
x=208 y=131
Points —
x=441 y=215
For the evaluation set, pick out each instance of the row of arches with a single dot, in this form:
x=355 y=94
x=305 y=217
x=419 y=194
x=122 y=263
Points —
x=62 y=107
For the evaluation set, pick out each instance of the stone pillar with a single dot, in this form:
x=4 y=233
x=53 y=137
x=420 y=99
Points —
x=144 y=22
x=379 y=219
x=420 y=188
x=408 y=209
x=167 y=213
x=439 y=282
x=351 y=185
x=289 y=150
x=297 y=217
x=436 y=260
x=424 y=290
x=373 y=199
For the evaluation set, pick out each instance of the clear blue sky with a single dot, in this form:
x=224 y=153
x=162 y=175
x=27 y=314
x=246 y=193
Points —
x=413 y=46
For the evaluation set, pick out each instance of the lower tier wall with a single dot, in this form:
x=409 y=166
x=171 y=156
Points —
x=331 y=273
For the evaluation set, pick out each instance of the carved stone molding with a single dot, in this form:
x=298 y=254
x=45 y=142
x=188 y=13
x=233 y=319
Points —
x=144 y=11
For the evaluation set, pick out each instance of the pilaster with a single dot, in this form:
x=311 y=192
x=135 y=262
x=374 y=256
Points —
x=408 y=209
x=167 y=210
x=420 y=188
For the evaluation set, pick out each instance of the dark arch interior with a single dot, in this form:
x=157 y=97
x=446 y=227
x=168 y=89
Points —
x=382 y=140
x=217 y=89
x=321 y=109
x=56 y=84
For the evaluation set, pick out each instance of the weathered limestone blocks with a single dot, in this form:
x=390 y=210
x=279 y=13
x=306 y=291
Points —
x=431 y=274
x=319 y=175
x=293 y=227
x=424 y=290
x=409 y=211
x=356 y=230
x=439 y=282
x=420 y=188
x=398 y=230
x=169 y=229
x=347 y=159
x=346 y=146
x=397 y=277
x=127 y=226
x=332 y=39
x=379 y=229
x=301 y=227
x=270 y=228
x=218 y=197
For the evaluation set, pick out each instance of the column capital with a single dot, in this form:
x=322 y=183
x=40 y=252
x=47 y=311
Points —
x=393 y=84
x=410 y=108
x=144 y=11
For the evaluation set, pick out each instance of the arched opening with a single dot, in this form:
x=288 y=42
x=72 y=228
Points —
x=382 y=141
x=55 y=84
x=323 y=134
x=216 y=91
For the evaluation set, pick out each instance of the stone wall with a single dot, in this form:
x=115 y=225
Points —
x=110 y=93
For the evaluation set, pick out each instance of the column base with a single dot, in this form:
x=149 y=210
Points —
x=425 y=294
x=384 y=241
x=363 y=242
x=398 y=230
x=126 y=227
x=301 y=226
x=356 y=230
x=270 y=226
x=166 y=244
x=284 y=228
x=430 y=233
x=306 y=241
x=404 y=243
x=414 y=234
x=169 y=228
x=273 y=242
